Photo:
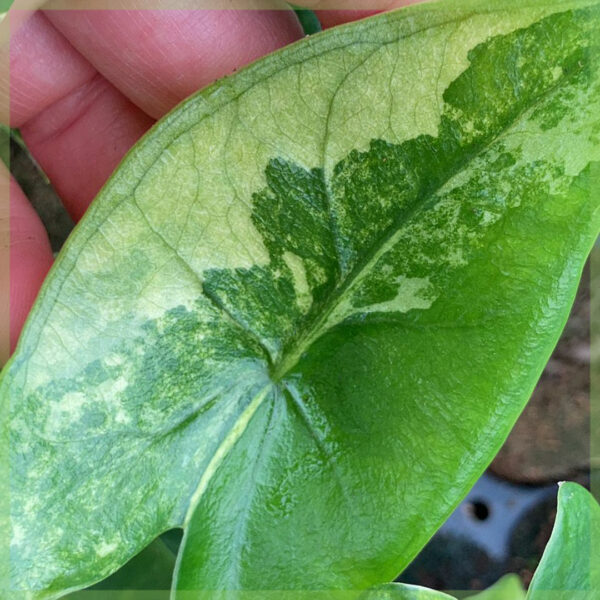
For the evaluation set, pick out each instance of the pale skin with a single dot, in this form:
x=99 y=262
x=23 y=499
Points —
x=85 y=85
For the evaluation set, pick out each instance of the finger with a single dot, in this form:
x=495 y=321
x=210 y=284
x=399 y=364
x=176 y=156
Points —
x=75 y=123
x=44 y=68
x=331 y=18
x=157 y=58
x=30 y=259
x=80 y=139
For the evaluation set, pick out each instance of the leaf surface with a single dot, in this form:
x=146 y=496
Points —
x=570 y=566
x=305 y=311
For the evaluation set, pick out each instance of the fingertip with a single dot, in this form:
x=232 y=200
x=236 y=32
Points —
x=79 y=140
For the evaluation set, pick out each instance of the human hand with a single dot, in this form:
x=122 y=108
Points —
x=85 y=85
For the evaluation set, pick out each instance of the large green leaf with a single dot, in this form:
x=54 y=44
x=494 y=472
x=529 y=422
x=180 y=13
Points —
x=305 y=311
x=570 y=566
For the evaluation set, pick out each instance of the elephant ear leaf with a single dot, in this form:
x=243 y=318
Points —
x=305 y=311
x=570 y=566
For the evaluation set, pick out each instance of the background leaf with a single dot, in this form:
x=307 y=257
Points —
x=401 y=591
x=508 y=587
x=305 y=311
x=570 y=566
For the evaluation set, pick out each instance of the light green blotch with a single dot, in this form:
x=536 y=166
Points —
x=563 y=145
x=65 y=411
x=134 y=280
x=395 y=108
x=104 y=548
x=291 y=125
x=413 y=293
x=451 y=233
x=196 y=199
x=18 y=537
x=557 y=72
x=95 y=322
x=66 y=414
x=410 y=102
x=295 y=264
x=440 y=226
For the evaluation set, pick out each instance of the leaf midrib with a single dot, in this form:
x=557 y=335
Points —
x=387 y=240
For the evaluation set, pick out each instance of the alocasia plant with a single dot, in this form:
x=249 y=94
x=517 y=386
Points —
x=307 y=308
